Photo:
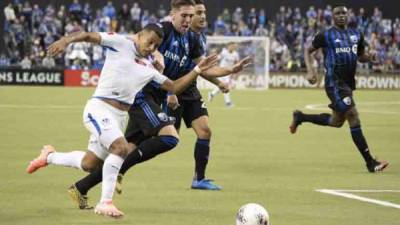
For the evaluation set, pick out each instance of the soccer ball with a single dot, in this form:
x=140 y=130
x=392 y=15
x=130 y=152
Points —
x=252 y=214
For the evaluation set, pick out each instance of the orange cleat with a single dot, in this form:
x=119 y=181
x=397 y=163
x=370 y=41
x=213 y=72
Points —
x=41 y=160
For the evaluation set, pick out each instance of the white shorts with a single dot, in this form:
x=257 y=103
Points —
x=105 y=123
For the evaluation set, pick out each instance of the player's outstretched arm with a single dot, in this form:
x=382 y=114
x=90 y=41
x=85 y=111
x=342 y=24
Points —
x=218 y=71
x=177 y=86
x=59 y=46
x=308 y=59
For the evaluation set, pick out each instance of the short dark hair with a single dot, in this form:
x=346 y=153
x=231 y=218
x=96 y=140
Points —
x=175 y=4
x=198 y=2
x=156 y=28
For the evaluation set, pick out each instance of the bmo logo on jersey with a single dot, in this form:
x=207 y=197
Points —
x=346 y=49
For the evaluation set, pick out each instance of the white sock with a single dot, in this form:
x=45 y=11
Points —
x=111 y=167
x=227 y=98
x=69 y=159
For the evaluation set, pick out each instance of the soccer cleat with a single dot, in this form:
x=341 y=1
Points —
x=118 y=186
x=107 y=208
x=210 y=97
x=296 y=121
x=229 y=104
x=41 y=160
x=205 y=184
x=78 y=198
x=377 y=166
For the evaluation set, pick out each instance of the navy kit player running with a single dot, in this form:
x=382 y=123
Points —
x=342 y=47
x=190 y=106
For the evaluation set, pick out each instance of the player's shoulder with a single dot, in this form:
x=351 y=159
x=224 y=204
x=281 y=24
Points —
x=167 y=26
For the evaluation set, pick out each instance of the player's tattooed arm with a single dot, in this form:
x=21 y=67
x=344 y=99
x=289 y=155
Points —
x=177 y=86
x=218 y=71
x=59 y=46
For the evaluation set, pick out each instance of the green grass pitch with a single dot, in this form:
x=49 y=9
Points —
x=253 y=156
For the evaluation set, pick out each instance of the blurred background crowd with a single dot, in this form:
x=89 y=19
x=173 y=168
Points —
x=29 y=29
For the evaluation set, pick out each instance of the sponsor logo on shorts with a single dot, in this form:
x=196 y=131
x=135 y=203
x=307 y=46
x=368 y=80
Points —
x=347 y=100
x=163 y=117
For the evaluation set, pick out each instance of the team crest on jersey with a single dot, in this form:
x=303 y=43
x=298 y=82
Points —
x=354 y=38
x=347 y=100
x=163 y=117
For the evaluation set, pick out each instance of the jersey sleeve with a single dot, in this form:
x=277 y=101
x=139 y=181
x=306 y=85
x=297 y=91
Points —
x=319 y=41
x=159 y=78
x=113 y=41
x=197 y=49
x=361 y=45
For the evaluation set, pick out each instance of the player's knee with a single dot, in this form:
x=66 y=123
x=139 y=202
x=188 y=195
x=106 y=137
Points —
x=120 y=147
x=204 y=133
x=89 y=165
x=169 y=141
x=337 y=123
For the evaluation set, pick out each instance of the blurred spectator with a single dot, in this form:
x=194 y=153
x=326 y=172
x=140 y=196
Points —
x=9 y=13
x=109 y=10
x=26 y=63
x=75 y=10
x=48 y=62
x=4 y=60
x=135 y=17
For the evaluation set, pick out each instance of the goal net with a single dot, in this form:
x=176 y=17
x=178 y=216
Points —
x=256 y=75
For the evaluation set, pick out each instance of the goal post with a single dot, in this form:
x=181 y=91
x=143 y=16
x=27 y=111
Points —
x=256 y=75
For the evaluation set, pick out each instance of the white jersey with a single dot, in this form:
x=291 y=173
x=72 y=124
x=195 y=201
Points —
x=124 y=72
x=228 y=58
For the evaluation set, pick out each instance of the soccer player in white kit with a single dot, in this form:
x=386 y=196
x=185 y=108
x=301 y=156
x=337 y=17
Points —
x=229 y=57
x=128 y=67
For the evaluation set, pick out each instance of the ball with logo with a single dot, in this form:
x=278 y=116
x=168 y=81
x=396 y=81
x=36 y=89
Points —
x=252 y=214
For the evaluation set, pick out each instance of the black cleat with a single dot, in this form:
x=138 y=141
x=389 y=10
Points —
x=377 y=166
x=296 y=121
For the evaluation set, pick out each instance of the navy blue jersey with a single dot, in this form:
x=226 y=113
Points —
x=178 y=50
x=192 y=93
x=341 y=49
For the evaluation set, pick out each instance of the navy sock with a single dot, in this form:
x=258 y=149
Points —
x=149 y=149
x=201 y=153
x=91 y=180
x=322 y=119
x=361 y=143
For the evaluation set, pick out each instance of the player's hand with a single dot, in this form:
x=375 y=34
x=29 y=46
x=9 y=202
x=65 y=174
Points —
x=208 y=62
x=158 y=62
x=172 y=102
x=57 y=47
x=312 y=78
x=224 y=87
x=241 y=65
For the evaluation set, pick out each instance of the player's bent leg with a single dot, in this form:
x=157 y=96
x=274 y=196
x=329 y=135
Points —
x=359 y=140
x=323 y=119
x=201 y=154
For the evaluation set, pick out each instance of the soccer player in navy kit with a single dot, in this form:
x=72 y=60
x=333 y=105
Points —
x=190 y=106
x=342 y=47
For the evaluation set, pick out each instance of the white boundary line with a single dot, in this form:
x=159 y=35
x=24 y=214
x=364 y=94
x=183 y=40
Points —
x=342 y=193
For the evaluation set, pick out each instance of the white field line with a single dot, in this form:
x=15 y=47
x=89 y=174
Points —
x=325 y=107
x=342 y=193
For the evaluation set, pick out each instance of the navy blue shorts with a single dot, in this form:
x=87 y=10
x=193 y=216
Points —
x=341 y=98
x=188 y=110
